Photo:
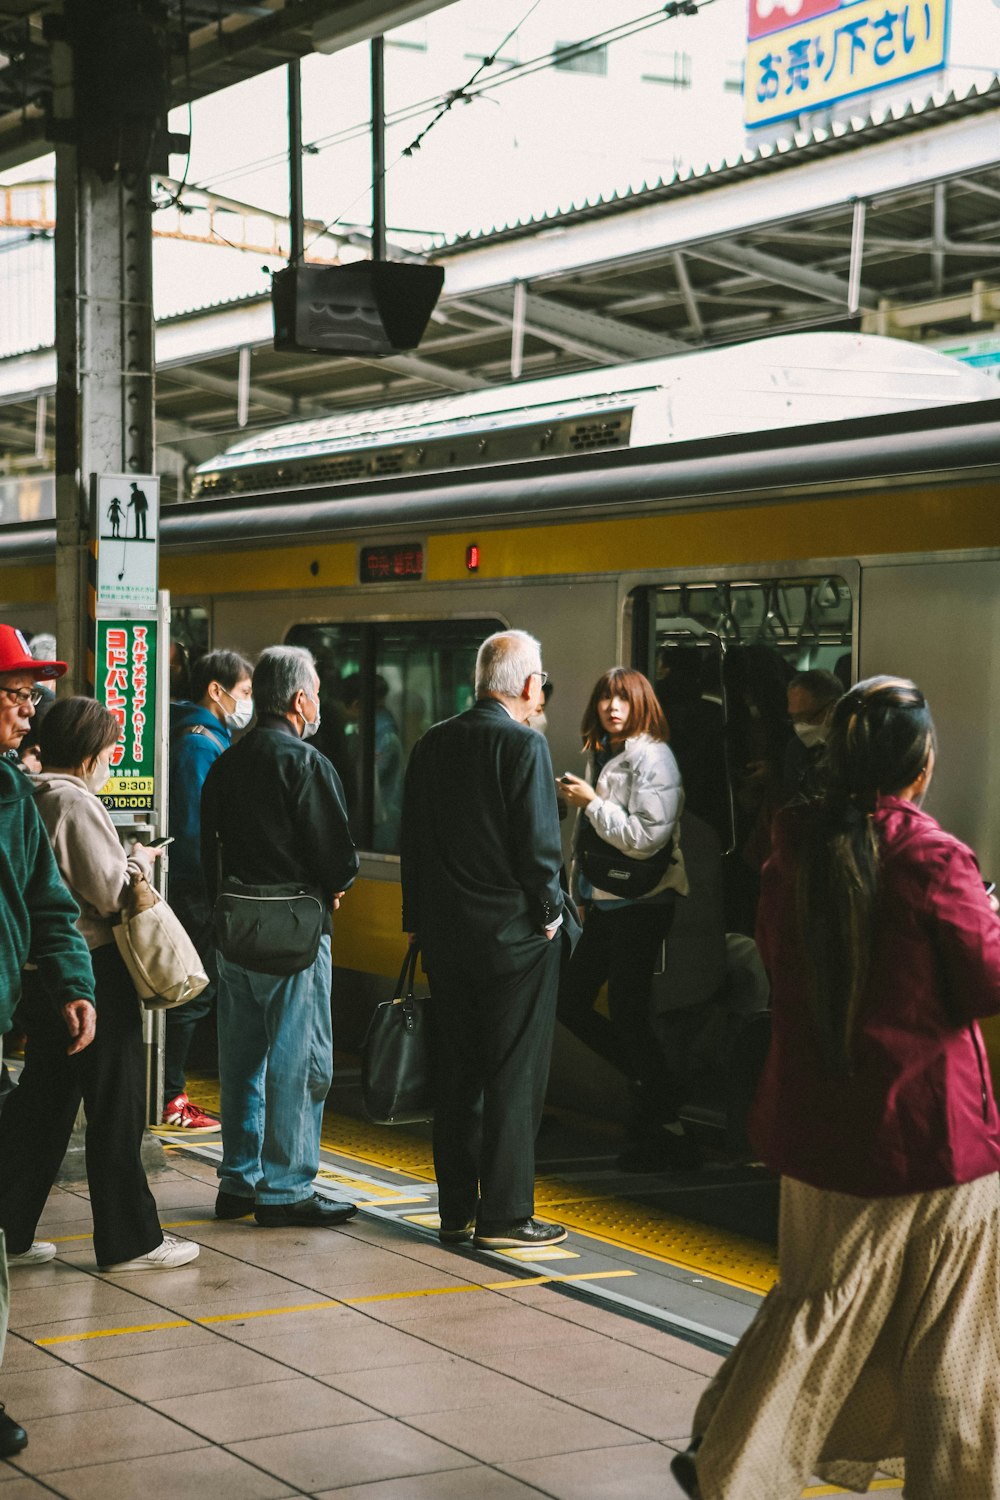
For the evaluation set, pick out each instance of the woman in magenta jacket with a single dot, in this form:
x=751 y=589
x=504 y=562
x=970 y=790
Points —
x=879 y=1347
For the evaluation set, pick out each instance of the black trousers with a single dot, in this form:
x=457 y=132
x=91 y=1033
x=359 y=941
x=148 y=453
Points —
x=37 y=1120
x=620 y=947
x=494 y=1045
x=195 y=915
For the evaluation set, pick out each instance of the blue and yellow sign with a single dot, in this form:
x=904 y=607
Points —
x=842 y=49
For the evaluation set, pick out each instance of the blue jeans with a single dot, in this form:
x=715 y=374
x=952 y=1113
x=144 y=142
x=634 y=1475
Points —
x=275 y=1071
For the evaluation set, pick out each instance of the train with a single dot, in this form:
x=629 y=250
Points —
x=831 y=496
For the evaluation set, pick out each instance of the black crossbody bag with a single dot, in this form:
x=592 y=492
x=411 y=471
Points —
x=268 y=929
x=620 y=874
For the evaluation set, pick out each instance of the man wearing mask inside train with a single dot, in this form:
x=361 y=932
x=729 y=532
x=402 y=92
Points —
x=812 y=697
x=201 y=729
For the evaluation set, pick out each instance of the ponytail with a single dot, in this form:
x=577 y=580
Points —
x=880 y=738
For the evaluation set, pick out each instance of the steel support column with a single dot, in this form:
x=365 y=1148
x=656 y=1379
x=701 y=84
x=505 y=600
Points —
x=104 y=354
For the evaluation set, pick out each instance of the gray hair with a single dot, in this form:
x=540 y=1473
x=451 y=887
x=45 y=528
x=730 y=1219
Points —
x=505 y=661
x=280 y=673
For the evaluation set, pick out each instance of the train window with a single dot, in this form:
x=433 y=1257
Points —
x=382 y=685
x=720 y=653
x=188 y=640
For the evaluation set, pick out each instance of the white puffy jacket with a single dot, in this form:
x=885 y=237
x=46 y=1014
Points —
x=638 y=807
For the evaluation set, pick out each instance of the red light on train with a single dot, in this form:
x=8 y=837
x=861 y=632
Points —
x=472 y=558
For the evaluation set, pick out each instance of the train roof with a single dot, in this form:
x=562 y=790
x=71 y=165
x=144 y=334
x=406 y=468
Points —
x=785 y=381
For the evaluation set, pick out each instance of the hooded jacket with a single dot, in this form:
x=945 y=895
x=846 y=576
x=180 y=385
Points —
x=917 y=1110
x=197 y=739
x=88 y=852
x=37 y=913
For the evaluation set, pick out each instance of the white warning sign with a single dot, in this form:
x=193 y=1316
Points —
x=127 y=526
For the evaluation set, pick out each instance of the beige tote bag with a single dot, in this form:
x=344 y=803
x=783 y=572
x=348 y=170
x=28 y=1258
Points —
x=164 y=964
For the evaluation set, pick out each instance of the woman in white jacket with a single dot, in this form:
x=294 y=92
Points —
x=76 y=741
x=633 y=811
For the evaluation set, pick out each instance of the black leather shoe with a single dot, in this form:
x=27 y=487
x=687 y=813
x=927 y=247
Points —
x=308 y=1213
x=682 y=1467
x=12 y=1437
x=456 y=1234
x=232 y=1206
x=521 y=1232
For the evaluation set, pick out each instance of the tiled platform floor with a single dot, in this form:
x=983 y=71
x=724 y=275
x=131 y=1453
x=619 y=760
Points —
x=427 y=1376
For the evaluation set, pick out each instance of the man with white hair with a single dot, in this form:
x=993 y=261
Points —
x=481 y=895
x=273 y=823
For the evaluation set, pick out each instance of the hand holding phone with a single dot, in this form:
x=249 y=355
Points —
x=160 y=843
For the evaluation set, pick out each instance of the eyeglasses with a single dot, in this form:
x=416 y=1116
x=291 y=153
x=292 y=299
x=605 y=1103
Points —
x=24 y=696
x=543 y=675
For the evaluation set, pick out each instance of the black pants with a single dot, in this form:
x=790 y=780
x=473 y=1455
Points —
x=37 y=1120
x=193 y=910
x=494 y=1045
x=620 y=947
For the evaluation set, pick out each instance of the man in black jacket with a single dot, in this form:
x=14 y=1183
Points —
x=481 y=894
x=273 y=813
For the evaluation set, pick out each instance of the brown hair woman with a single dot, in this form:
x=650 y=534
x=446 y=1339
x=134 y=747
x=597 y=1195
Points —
x=627 y=873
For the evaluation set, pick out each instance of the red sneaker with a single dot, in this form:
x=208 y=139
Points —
x=181 y=1114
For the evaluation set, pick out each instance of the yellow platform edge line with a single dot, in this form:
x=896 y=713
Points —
x=832 y=1489
x=274 y=1312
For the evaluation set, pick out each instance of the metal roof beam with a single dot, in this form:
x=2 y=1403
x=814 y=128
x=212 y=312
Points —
x=427 y=370
x=687 y=293
x=572 y=328
x=224 y=385
x=745 y=258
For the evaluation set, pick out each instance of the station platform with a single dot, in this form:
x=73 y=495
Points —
x=370 y=1362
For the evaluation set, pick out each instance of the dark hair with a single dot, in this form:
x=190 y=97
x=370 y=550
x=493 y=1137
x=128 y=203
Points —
x=225 y=667
x=75 y=730
x=881 y=738
x=825 y=687
x=645 y=716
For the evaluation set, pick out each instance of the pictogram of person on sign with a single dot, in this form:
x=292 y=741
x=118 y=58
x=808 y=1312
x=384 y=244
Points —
x=115 y=514
x=138 y=503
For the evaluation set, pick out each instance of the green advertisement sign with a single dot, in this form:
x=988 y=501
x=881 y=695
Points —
x=125 y=682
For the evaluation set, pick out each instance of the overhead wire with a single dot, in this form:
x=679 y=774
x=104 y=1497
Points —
x=510 y=74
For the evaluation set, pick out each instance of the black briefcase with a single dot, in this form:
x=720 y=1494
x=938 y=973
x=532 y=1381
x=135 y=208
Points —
x=398 y=1054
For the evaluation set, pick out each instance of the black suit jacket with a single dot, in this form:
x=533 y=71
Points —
x=480 y=842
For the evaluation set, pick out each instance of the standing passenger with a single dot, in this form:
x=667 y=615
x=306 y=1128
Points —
x=880 y=1344
x=273 y=813
x=481 y=895
x=634 y=811
x=199 y=732
x=37 y=915
x=76 y=742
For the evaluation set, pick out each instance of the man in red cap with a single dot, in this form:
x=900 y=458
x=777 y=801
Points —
x=37 y=913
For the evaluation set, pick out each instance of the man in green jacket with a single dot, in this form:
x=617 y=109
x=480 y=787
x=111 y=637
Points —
x=37 y=913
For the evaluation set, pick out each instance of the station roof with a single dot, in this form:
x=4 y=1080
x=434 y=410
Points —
x=216 y=43
x=909 y=201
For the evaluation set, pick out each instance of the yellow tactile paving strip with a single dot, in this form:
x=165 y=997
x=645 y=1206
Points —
x=724 y=1256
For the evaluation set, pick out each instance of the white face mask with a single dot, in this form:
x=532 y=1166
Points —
x=310 y=726
x=241 y=715
x=95 y=779
x=811 y=734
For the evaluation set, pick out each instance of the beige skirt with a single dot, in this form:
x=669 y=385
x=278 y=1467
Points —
x=879 y=1346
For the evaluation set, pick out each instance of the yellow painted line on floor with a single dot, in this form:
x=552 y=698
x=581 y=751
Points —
x=276 y=1312
x=832 y=1489
x=65 y=1239
x=109 y=1333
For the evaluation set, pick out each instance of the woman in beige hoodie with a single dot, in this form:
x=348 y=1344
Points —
x=77 y=740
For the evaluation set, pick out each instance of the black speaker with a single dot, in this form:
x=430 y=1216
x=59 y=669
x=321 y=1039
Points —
x=372 y=307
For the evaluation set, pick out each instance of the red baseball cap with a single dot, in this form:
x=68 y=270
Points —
x=16 y=657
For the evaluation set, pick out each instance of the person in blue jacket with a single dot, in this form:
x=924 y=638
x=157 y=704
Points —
x=200 y=730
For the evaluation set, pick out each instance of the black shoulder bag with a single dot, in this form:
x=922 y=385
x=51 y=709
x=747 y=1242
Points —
x=397 y=1056
x=268 y=929
x=619 y=874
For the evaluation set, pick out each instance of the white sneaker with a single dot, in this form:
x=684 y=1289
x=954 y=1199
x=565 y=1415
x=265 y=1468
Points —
x=173 y=1252
x=36 y=1255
